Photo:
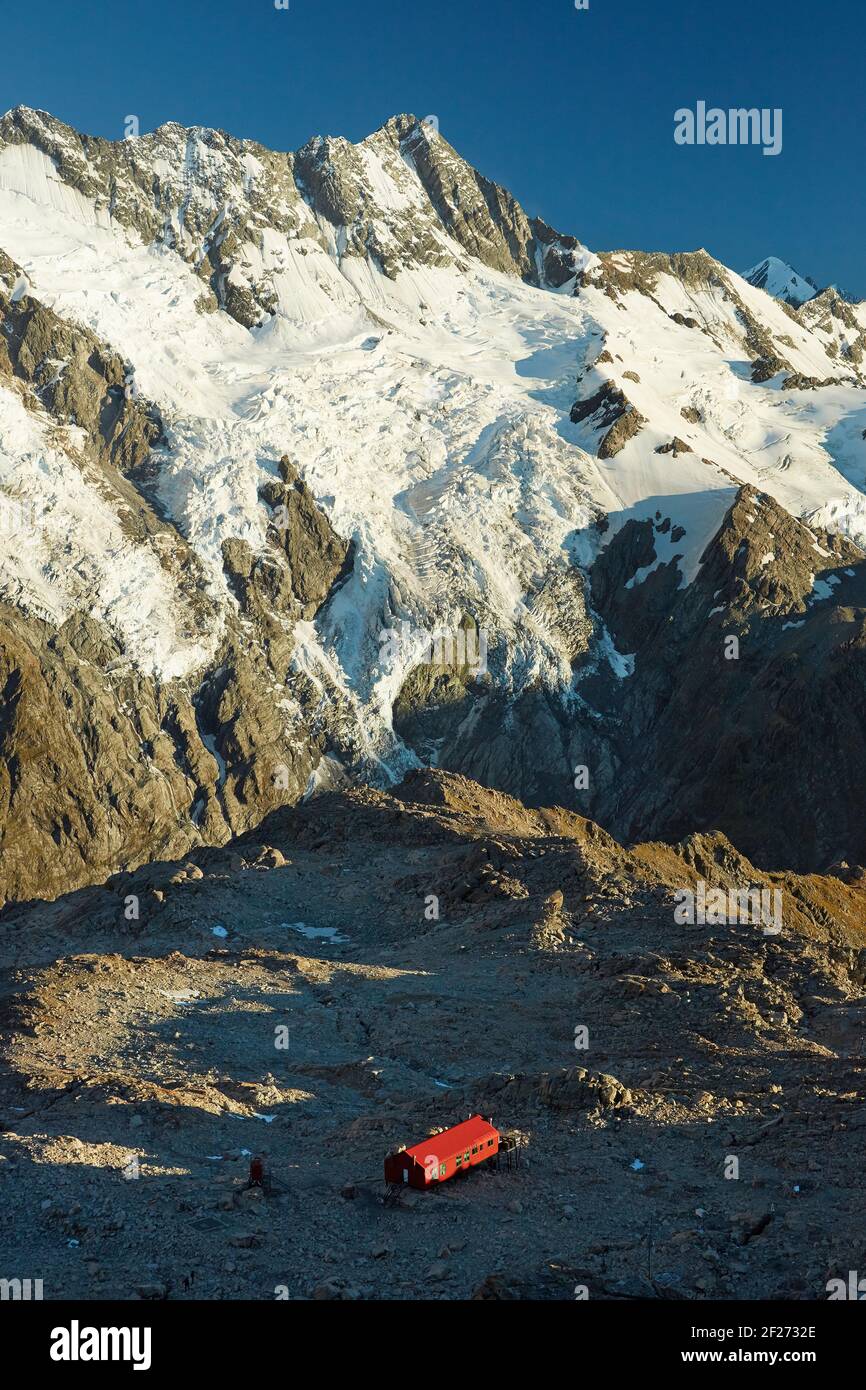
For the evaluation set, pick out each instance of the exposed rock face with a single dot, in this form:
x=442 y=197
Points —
x=442 y=689
x=73 y=376
x=705 y=281
x=482 y=216
x=697 y=737
x=316 y=555
x=766 y=359
x=101 y=763
x=605 y=406
x=179 y=186
x=625 y=428
x=101 y=766
x=95 y=769
x=641 y=270
x=609 y=410
x=835 y=321
x=716 y=739
x=292 y=580
x=463 y=719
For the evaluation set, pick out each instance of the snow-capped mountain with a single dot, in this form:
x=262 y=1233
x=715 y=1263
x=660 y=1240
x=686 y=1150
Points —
x=262 y=408
x=781 y=281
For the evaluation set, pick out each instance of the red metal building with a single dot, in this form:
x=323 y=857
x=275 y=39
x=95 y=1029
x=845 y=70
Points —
x=444 y=1155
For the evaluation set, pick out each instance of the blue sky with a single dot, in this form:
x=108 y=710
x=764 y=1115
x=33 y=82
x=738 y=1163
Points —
x=572 y=110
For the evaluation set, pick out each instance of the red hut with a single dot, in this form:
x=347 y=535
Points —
x=443 y=1155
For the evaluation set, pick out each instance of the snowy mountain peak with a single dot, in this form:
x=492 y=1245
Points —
x=226 y=369
x=781 y=281
x=400 y=200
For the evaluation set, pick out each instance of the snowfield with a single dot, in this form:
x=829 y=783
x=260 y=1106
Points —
x=73 y=555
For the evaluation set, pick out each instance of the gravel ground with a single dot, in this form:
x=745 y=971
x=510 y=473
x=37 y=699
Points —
x=706 y=1142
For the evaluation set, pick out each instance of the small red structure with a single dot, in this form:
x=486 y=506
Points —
x=444 y=1155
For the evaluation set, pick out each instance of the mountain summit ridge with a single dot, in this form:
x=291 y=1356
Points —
x=782 y=281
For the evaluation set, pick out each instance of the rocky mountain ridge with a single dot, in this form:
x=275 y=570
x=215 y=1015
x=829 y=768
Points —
x=782 y=281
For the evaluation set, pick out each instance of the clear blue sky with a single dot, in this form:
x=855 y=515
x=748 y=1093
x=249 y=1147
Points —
x=573 y=111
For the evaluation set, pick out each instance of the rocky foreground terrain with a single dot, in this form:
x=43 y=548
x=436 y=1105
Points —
x=371 y=966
